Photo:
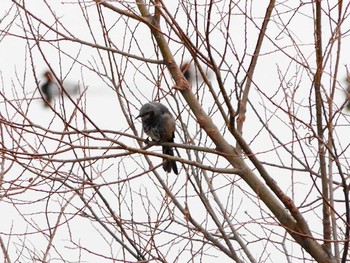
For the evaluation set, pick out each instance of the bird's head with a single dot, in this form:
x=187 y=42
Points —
x=147 y=111
x=48 y=75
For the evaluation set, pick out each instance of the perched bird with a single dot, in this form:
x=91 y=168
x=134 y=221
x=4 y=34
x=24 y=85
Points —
x=347 y=92
x=159 y=124
x=46 y=88
x=51 y=88
x=187 y=71
x=192 y=73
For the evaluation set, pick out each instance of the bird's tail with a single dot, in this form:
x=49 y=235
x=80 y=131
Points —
x=169 y=165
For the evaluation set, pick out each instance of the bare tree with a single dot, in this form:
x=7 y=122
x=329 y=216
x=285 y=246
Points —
x=257 y=90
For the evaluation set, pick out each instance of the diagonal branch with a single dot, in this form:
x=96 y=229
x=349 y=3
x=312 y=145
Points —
x=320 y=130
x=302 y=236
x=251 y=69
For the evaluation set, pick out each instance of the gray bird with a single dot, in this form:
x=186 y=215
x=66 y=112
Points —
x=159 y=124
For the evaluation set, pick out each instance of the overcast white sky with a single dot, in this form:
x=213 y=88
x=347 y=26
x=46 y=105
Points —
x=101 y=104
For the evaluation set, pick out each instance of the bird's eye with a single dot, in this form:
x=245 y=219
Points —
x=150 y=114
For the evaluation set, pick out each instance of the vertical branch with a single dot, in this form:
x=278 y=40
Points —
x=216 y=69
x=330 y=133
x=345 y=186
x=2 y=156
x=320 y=131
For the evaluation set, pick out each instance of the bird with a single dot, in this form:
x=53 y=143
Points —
x=51 y=88
x=46 y=88
x=187 y=71
x=159 y=124
x=192 y=73
x=347 y=92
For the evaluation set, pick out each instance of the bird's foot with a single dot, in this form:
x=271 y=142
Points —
x=147 y=141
